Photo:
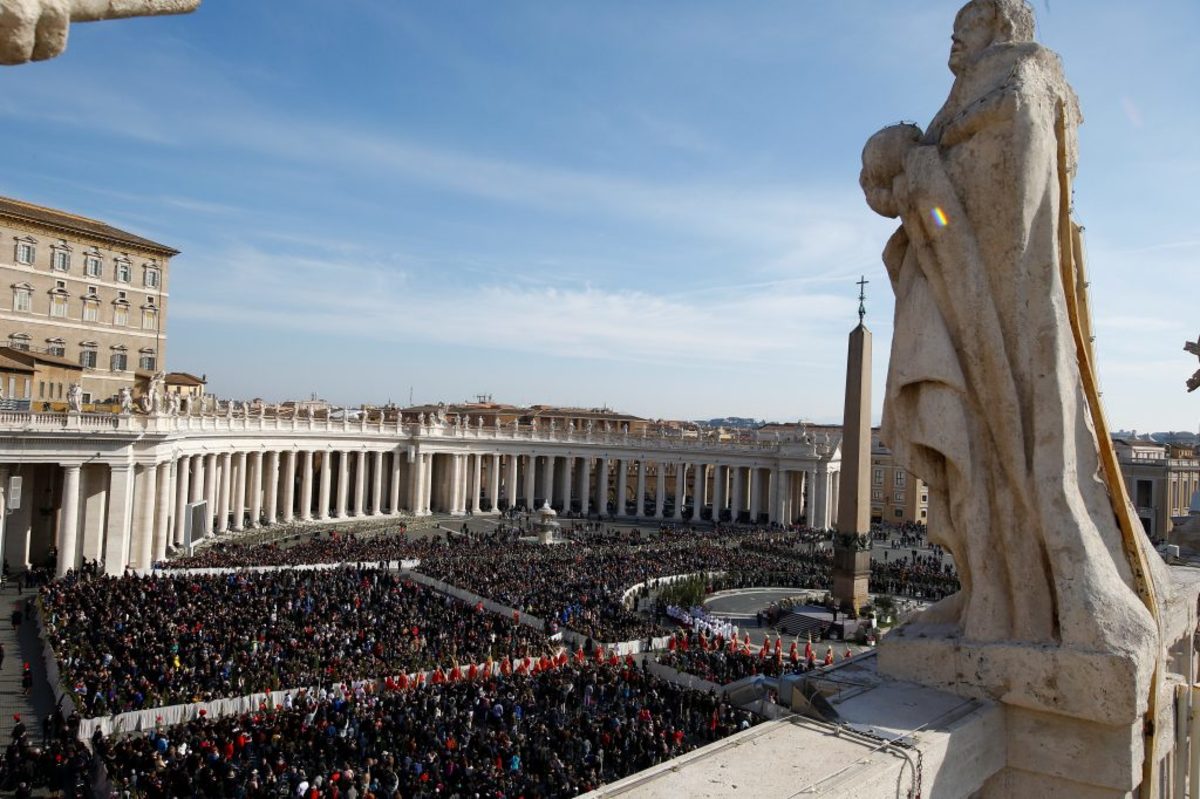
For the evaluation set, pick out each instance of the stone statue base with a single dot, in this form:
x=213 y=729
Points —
x=1073 y=719
x=1101 y=687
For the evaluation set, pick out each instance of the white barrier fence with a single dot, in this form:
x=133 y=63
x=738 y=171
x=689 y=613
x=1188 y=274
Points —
x=392 y=565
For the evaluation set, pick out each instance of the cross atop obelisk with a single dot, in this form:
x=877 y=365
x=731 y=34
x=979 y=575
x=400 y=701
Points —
x=862 y=298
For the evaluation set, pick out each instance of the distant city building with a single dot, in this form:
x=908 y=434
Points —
x=1161 y=480
x=897 y=496
x=83 y=291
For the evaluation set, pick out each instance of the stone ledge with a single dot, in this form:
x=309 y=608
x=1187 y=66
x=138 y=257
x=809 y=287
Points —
x=1108 y=689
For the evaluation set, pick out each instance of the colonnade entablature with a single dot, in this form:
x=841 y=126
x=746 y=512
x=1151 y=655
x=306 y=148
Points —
x=119 y=487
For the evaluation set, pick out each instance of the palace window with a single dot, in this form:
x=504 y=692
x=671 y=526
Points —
x=149 y=319
x=26 y=251
x=23 y=297
x=60 y=260
x=123 y=272
x=56 y=346
x=87 y=355
x=91 y=310
x=150 y=277
x=876 y=495
x=19 y=341
x=118 y=362
x=899 y=496
x=120 y=316
x=93 y=266
x=879 y=477
x=899 y=479
x=147 y=360
x=58 y=305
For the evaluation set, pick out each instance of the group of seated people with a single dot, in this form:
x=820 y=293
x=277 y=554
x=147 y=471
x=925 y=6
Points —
x=332 y=547
x=558 y=733
x=135 y=642
x=722 y=660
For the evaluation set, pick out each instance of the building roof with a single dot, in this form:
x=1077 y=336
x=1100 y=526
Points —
x=8 y=364
x=29 y=358
x=72 y=223
x=184 y=379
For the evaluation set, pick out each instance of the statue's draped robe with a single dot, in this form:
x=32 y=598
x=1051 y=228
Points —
x=984 y=399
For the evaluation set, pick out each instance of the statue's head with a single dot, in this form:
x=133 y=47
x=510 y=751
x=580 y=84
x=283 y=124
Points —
x=983 y=23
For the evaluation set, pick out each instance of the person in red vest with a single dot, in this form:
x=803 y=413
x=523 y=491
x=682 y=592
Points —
x=829 y=656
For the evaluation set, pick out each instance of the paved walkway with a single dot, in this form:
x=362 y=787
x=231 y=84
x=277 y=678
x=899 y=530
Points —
x=20 y=647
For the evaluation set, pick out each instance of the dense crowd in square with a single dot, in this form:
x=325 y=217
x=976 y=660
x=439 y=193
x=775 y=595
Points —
x=557 y=733
x=135 y=642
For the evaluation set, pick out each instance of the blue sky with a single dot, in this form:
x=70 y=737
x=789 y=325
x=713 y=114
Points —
x=649 y=205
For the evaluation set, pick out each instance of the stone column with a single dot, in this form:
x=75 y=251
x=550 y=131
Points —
x=459 y=487
x=680 y=489
x=622 y=492
x=343 y=486
x=718 y=502
x=306 y=485
x=660 y=488
x=360 y=483
x=394 y=486
x=162 y=521
x=602 y=486
x=120 y=517
x=145 y=495
x=324 y=500
x=585 y=493
x=699 y=480
x=640 y=509
x=272 y=487
x=182 y=486
x=510 y=480
x=494 y=484
x=476 y=484
x=755 y=493
x=377 y=485
x=210 y=492
x=239 y=493
x=567 y=483
x=289 y=486
x=530 y=480
x=548 y=479
x=223 y=492
x=773 y=495
x=779 y=496
x=426 y=483
x=198 y=481
x=68 y=532
x=736 y=499
x=256 y=488
x=414 y=482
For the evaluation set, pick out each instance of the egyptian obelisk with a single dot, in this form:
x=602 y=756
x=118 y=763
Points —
x=852 y=552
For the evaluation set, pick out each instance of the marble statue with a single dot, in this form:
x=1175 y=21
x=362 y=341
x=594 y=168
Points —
x=591 y=426
x=421 y=419
x=533 y=424
x=479 y=423
x=991 y=398
x=35 y=30
x=125 y=400
x=174 y=404
x=1193 y=347
x=553 y=426
x=74 y=398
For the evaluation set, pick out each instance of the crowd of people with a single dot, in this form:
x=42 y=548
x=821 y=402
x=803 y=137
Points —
x=333 y=547
x=557 y=733
x=130 y=643
x=722 y=660
x=925 y=577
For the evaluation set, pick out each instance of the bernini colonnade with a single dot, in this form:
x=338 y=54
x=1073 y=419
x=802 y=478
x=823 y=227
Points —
x=116 y=488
